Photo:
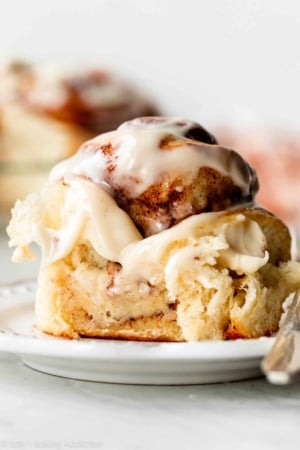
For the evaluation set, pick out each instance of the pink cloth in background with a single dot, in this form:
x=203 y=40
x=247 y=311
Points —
x=276 y=160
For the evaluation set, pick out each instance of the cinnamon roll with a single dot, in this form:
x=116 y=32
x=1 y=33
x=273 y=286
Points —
x=151 y=232
x=46 y=113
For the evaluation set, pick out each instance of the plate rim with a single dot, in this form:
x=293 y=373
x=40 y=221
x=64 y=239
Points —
x=18 y=294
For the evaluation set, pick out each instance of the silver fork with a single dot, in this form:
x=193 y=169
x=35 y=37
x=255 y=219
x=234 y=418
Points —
x=282 y=364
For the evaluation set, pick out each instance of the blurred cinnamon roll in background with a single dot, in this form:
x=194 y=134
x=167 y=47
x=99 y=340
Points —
x=47 y=112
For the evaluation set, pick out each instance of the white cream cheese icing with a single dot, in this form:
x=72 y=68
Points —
x=89 y=213
x=137 y=155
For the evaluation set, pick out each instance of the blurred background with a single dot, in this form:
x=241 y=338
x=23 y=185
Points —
x=231 y=65
x=208 y=59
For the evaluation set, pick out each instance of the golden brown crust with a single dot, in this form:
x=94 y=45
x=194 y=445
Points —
x=153 y=329
x=237 y=331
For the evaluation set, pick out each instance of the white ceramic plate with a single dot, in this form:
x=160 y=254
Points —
x=121 y=361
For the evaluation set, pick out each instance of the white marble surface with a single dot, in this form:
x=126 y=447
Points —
x=39 y=411
x=50 y=412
